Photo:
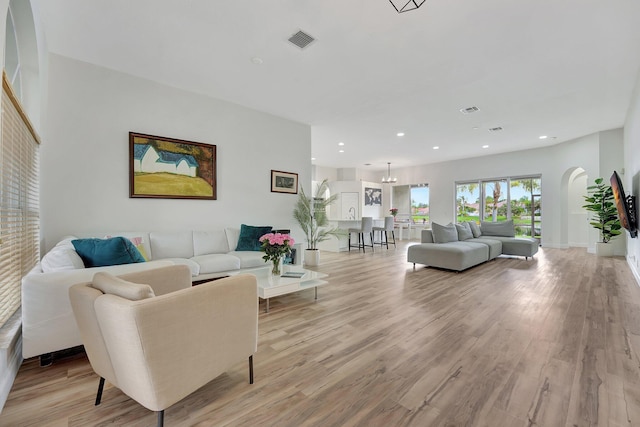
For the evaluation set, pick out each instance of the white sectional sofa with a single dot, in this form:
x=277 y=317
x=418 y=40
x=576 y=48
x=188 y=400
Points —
x=48 y=324
x=454 y=247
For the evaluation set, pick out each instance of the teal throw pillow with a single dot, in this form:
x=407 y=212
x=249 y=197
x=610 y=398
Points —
x=249 y=235
x=105 y=252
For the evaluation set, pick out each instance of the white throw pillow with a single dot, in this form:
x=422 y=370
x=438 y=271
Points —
x=61 y=258
x=444 y=233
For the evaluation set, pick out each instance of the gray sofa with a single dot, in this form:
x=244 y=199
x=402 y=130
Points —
x=461 y=246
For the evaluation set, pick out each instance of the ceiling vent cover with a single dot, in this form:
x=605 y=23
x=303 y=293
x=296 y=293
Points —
x=469 y=110
x=496 y=129
x=301 y=39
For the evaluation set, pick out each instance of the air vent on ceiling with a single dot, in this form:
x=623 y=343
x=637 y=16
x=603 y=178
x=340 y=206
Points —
x=496 y=129
x=469 y=110
x=301 y=39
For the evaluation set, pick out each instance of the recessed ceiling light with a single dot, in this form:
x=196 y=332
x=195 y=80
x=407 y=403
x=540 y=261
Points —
x=543 y=137
x=475 y=128
x=436 y=148
x=256 y=60
x=400 y=133
x=340 y=151
x=485 y=146
x=313 y=158
x=340 y=143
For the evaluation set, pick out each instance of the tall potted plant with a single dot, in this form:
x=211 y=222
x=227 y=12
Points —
x=605 y=219
x=311 y=216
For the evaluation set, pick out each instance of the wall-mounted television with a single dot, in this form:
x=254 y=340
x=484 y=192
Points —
x=626 y=206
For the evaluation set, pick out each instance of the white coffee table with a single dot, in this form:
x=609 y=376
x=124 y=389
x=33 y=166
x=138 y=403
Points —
x=272 y=286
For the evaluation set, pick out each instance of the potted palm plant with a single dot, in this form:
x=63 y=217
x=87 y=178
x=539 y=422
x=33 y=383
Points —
x=311 y=216
x=605 y=219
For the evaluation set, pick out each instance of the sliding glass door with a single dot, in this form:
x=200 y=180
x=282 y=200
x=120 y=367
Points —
x=501 y=199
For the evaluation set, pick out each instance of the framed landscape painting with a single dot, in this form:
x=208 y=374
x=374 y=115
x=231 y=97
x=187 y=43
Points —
x=284 y=182
x=168 y=168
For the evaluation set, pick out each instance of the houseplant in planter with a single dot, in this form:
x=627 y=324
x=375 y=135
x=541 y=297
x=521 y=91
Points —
x=311 y=216
x=600 y=201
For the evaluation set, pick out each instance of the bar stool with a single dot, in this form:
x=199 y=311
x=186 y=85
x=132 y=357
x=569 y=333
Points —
x=366 y=226
x=388 y=227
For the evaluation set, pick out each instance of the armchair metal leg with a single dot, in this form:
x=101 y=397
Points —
x=100 y=388
x=251 y=369
x=161 y=418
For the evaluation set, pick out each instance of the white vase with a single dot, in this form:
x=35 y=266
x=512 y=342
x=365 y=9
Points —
x=604 y=249
x=311 y=257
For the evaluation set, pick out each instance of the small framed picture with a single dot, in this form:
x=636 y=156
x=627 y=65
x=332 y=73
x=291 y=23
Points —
x=284 y=182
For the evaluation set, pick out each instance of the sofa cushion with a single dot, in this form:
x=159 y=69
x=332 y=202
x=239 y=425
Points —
x=520 y=246
x=105 y=252
x=193 y=266
x=249 y=259
x=502 y=228
x=61 y=258
x=494 y=244
x=177 y=244
x=110 y=284
x=249 y=235
x=444 y=233
x=210 y=242
x=475 y=228
x=452 y=256
x=464 y=231
x=216 y=263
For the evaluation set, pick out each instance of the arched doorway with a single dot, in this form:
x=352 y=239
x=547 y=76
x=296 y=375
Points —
x=575 y=225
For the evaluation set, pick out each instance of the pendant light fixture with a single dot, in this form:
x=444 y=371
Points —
x=405 y=6
x=388 y=179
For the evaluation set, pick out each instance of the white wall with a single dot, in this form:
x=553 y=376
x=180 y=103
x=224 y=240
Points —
x=631 y=177
x=84 y=156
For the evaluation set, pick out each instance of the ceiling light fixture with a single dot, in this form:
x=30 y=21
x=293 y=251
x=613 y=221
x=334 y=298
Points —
x=400 y=134
x=436 y=147
x=405 y=6
x=485 y=146
x=341 y=143
x=543 y=137
x=387 y=179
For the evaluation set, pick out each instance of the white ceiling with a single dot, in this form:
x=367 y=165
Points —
x=562 y=68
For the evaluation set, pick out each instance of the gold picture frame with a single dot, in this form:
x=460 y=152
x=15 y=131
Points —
x=168 y=168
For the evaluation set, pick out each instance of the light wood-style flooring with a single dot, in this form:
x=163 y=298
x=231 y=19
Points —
x=553 y=341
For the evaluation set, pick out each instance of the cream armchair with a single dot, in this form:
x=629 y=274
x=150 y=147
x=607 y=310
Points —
x=158 y=339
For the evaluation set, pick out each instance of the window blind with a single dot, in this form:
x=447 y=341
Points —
x=19 y=201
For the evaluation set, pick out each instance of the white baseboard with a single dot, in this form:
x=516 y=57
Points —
x=634 y=270
x=10 y=355
x=555 y=245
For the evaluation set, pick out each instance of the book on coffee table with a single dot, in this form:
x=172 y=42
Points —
x=294 y=274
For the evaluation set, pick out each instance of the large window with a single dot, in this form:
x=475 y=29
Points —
x=19 y=201
x=516 y=198
x=420 y=203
